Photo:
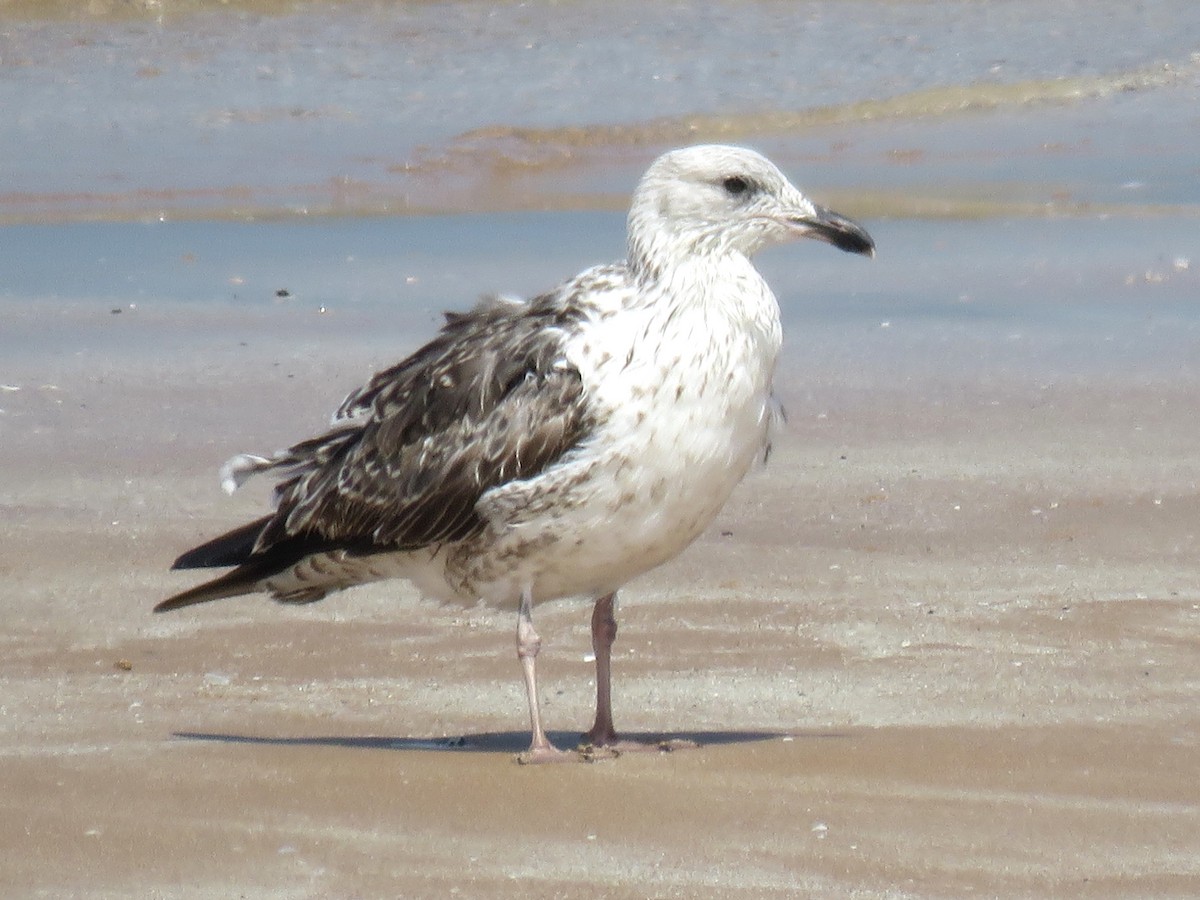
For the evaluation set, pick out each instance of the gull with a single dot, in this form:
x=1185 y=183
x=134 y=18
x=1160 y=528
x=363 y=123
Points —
x=552 y=447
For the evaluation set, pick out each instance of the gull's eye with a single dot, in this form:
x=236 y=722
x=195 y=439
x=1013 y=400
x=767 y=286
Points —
x=735 y=185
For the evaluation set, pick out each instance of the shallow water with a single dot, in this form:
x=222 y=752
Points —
x=989 y=298
x=468 y=106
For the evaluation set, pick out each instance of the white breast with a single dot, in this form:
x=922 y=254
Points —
x=683 y=397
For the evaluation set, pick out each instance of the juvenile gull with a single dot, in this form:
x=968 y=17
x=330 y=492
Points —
x=554 y=447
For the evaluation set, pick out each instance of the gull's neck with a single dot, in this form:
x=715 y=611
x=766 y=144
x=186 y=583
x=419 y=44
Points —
x=659 y=255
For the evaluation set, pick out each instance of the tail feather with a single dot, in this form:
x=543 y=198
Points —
x=230 y=549
x=242 y=580
x=235 y=548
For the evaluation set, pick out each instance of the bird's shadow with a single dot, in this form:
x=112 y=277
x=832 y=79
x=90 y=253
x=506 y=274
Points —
x=496 y=741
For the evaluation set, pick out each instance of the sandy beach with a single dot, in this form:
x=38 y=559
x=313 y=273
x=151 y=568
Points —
x=943 y=645
x=946 y=644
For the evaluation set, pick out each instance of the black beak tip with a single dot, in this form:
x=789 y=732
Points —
x=846 y=234
x=855 y=240
x=837 y=230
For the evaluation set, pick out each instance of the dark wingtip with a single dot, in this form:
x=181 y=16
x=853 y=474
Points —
x=202 y=594
x=172 y=603
x=236 y=549
x=198 y=558
x=245 y=579
x=230 y=549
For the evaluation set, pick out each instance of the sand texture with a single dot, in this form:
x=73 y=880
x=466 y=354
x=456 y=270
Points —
x=945 y=645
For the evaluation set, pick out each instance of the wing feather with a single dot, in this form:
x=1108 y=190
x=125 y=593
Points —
x=490 y=400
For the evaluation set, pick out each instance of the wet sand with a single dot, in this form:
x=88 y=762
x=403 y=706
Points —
x=945 y=645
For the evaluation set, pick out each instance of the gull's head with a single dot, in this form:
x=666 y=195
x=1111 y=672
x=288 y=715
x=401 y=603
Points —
x=714 y=199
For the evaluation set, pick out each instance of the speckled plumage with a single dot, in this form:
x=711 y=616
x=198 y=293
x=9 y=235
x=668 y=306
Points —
x=553 y=447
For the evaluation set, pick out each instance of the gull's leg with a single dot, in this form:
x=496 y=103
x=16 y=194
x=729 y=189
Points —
x=602 y=739
x=528 y=644
x=604 y=632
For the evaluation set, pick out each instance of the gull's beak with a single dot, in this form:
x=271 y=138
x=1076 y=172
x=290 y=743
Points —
x=826 y=225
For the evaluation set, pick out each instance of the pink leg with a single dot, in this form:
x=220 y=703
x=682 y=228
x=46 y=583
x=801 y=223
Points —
x=604 y=632
x=603 y=736
x=528 y=645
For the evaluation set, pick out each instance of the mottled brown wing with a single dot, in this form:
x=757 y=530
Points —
x=490 y=400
